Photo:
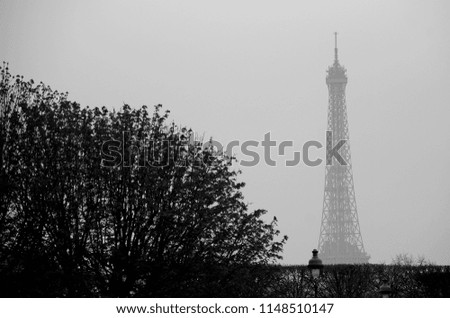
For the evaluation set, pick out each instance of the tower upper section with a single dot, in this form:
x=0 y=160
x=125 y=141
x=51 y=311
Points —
x=336 y=73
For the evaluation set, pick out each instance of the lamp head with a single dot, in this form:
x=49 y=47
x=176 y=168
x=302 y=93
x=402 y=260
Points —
x=385 y=289
x=315 y=264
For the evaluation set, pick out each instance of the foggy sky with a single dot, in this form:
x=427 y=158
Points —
x=239 y=69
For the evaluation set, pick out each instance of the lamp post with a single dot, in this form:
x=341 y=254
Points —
x=385 y=289
x=315 y=266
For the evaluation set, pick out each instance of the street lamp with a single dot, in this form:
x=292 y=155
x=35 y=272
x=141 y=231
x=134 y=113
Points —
x=315 y=266
x=385 y=289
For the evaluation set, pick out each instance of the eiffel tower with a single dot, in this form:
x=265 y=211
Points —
x=340 y=240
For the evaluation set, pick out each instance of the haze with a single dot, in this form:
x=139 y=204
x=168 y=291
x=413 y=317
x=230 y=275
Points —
x=235 y=70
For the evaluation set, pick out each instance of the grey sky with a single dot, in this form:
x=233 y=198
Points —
x=238 y=69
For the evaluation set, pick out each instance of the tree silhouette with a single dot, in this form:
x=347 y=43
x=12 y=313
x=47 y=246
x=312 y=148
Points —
x=101 y=203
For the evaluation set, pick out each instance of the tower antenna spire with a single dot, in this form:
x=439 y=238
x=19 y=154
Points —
x=335 y=47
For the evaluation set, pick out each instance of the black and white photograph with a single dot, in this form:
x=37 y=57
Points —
x=207 y=149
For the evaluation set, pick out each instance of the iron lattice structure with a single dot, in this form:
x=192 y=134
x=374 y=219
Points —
x=340 y=240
